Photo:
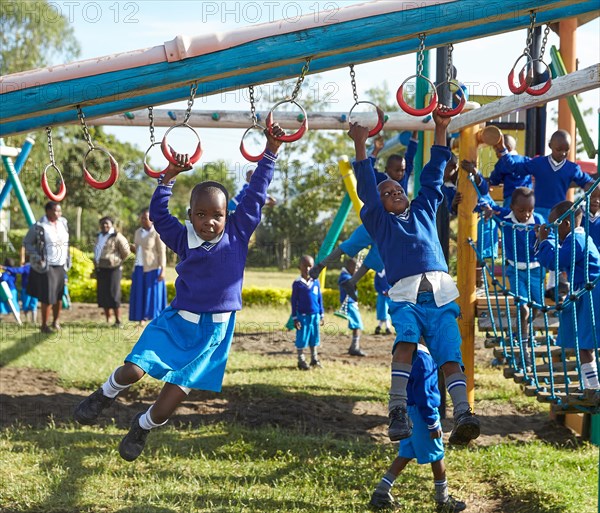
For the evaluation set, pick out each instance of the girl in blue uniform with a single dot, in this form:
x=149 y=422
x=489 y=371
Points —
x=354 y=319
x=187 y=345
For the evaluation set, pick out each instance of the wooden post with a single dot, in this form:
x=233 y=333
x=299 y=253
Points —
x=466 y=258
x=567 y=30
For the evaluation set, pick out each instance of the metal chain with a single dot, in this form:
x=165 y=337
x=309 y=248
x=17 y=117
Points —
x=544 y=41
x=50 y=147
x=86 y=133
x=151 y=118
x=421 y=54
x=188 y=111
x=530 y=31
x=252 y=106
x=353 y=82
x=449 y=63
x=301 y=79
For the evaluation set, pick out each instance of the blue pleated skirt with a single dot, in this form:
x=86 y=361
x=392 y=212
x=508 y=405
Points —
x=148 y=296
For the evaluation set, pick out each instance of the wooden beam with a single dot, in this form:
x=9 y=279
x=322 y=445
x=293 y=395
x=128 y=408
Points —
x=277 y=57
x=574 y=83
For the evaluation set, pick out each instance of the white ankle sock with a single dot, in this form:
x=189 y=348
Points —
x=146 y=421
x=589 y=371
x=110 y=388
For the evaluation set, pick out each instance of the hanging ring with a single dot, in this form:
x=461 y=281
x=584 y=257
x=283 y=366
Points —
x=380 y=118
x=244 y=152
x=545 y=87
x=168 y=151
x=296 y=135
x=62 y=190
x=460 y=92
x=147 y=169
x=114 y=170
x=411 y=110
x=522 y=86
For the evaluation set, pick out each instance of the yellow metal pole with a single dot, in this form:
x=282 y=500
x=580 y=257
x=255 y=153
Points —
x=466 y=258
x=350 y=183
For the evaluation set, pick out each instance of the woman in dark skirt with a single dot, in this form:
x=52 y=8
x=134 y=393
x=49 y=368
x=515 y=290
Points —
x=47 y=245
x=148 y=291
x=110 y=251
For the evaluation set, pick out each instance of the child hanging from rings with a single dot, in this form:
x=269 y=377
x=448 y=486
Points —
x=188 y=344
x=422 y=293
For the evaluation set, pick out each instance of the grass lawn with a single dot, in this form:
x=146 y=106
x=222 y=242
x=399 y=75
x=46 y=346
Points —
x=233 y=466
x=266 y=277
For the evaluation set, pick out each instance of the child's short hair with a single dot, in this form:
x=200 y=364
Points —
x=209 y=187
x=521 y=192
x=392 y=157
x=106 y=218
x=510 y=142
x=561 y=135
x=564 y=206
x=144 y=210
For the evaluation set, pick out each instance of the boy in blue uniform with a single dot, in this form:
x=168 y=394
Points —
x=307 y=313
x=423 y=293
x=575 y=319
x=502 y=175
x=235 y=201
x=354 y=319
x=594 y=217
x=396 y=168
x=188 y=344
x=425 y=444
x=382 y=306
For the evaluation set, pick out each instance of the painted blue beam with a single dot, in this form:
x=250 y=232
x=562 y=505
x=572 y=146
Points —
x=273 y=58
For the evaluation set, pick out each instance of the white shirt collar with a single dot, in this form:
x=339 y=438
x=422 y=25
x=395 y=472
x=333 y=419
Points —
x=514 y=219
x=194 y=240
x=450 y=185
x=306 y=282
x=556 y=166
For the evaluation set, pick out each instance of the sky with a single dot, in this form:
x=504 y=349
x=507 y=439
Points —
x=108 y=27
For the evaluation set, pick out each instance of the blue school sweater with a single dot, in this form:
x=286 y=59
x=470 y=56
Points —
x=235 y=201
x=551 y=183
x=547 y=250
x=594 y=229
x=422 y=388
x=408 y=243
x=210 y=281
x=409 y=158
x=306 y=297
x=345 y=276
x=502 y=175
x=380 y=282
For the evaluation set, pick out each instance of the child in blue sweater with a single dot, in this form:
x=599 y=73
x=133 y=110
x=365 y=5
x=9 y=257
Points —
x=8 y=275
x=354 y=319
x=575 y=251
x=502 y=175
x=382 y=307
x=423 y=293
x=425 y=443
x=307 y=313
x=187 y=345
x=396 y=168
x=594 y=216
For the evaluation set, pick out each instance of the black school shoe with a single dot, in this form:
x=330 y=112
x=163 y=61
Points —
x=382 y=500
x=88 y=410
x=466 y=428
x=302 y=365
x=133 y=443
x=400 y=424
x=452 y=505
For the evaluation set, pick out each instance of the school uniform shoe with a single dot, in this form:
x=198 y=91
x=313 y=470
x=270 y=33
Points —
x=353 y=351
x=378 y=330
x=302 y=365
x=133 y=443
x=452 y=505
x=382 y=500
x=350 y=289
x=466 y=428
x=88 y=410
x=400 y=424
x=316 y=363
x=388 y=331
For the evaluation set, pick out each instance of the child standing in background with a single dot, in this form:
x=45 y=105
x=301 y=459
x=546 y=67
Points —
x=354 y=320
x=425 y=443
x=307 y=313
x=501 y=175
x=382 y=307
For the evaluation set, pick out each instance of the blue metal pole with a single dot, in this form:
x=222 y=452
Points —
x=19 y=163
x=19 y=192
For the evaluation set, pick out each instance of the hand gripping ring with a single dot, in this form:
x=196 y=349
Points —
x=522 y=86
x=380 y=118
x=411 y=110
x=462 y=93
x=545 y=87
x=168 y=152
x=147 y=169
x=114 y=170
x=245 y=154
x=62 y=191
x=292 y=137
